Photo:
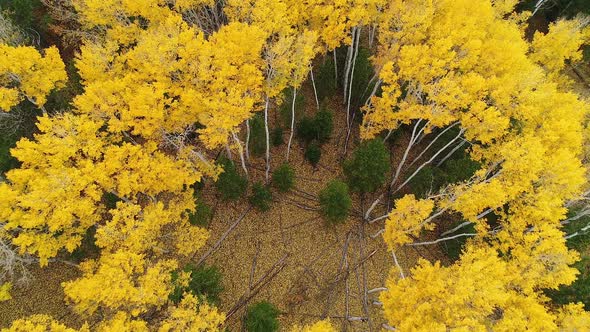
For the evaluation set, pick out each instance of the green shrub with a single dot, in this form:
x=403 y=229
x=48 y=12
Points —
x=454 y=247
x=277 y=136
x=306 y=129
x=202 y=214
x=325 y=79
x=313 y=154
x=205 y=283
x=22 y=12
x=285 y=109
x=283 y=178
x=324 y=125
x=368 y=167
x=261 y=197
x=363 y=72
x=462 y=169
x=20 y=123
x=230 y=183
x=428 y=180
x=317 y=128
x=579 y=290
x=110 y=200
x=335 y=202
x=262 y=317
x=87 y=248
x=257 y=135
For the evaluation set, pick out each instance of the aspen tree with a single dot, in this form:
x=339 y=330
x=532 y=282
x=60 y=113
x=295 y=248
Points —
x=33 y=75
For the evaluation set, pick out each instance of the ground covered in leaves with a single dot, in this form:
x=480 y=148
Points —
x=287 y=256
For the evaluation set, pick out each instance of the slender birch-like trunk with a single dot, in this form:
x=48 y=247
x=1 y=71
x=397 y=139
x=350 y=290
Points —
x=348 y=64
x=241 y=151
x=248 y=139
x=267 y=139
x=292 y=122
x=315 y=91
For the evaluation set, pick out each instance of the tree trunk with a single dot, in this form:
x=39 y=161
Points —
x=356 y=52
x=267 y=139
x=348 y=64
x=292 y=122
x=315 y=91
x=241 y=150
x=248 y=139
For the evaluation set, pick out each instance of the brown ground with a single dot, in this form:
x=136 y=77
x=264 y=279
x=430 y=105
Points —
x=317 y=278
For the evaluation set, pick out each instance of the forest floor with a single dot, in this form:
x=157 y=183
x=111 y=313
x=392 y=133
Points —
x=287 y=256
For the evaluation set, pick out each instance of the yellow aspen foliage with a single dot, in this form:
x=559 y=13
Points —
x=478 y=293
x=121 y=280
x=572 y=317
x=334 y=19
x=5 y=291
x=31 y=75
x=321 y=326
x=54 y=198
x=290 y=45
x=122 y=322
x=191 y=314
x=465 y=62
x=407 y=219
x=163 y=85
x=562 y=43
x=41 y=323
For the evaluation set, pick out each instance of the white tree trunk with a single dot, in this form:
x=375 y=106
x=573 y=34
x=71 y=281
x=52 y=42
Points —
x=348 y=64
x=335 y=67
x=241 y=151
x=356 y=52
x=428 y=162
x=248 y=139
x=432 y=143
x=267 y=139
x=292 y=122
x=409 y=147
x=315 y=91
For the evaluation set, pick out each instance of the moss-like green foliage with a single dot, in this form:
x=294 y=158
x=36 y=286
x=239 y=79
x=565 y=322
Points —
x=202 y=214
x=317 y=128
x=262 y=317
x=261 y=197
x=313 y=154
x=457 y=170
x=306 y=129
x=579 y=290
x=230 y=183
x=205 y=283
x=283 y=178
x=88 y=248
x=363 y=72
x=454 y=247
x=277 y=136
x=335 y=202
x=20 y=123
x=22 y=12
x=324 y=124
x=368 y=167
x=431 y=179
x=325 y=78
x=427 y=181
x=257 y=135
